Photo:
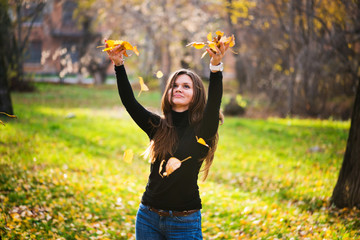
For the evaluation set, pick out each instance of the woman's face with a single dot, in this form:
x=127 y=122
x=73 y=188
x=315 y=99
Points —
x=181 y=93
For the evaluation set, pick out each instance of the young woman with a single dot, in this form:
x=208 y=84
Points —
x=183 y=139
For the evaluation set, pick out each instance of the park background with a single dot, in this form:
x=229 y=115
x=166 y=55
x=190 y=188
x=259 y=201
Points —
x=289 y=95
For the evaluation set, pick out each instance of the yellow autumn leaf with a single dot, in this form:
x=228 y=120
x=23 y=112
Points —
x=111 y=44
x=201 y=141
x=172 y=164
x=128 y=156
x=212 y=46
x=197 y=45
x=161 y=167
x=159 y=74
x=209 y=36
x=214 y=42
x=12 y=116
x=136 y=51
x=143 y=86
x=219 y=33
x=16 y=217
x=77 y=237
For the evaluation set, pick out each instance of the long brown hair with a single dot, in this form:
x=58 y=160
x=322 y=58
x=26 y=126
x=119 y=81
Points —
x=166 y=137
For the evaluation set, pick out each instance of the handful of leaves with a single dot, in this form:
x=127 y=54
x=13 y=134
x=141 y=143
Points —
x=214 y=42
x=111 y=44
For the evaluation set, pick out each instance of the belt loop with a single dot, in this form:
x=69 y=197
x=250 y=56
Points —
x=171 y=213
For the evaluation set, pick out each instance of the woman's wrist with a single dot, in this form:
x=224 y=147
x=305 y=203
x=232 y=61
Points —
x=119 y=63
x=215 y=63
x=215 y=68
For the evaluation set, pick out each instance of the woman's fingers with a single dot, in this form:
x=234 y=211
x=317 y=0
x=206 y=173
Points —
x=210 y=52
x=105 y=41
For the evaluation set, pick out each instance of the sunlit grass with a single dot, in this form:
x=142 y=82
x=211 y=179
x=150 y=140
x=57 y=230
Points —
x=62 y=173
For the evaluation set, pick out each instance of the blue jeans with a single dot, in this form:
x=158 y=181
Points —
x=150 y=226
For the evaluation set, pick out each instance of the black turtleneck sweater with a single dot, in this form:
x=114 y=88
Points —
x=179 y=191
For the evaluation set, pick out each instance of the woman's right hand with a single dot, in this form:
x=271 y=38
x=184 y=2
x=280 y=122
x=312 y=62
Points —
x=116 y=55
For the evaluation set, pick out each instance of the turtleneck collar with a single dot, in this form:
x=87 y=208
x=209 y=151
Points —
x=180 y=119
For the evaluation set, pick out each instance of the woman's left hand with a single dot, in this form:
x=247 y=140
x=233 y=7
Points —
x=217 y=56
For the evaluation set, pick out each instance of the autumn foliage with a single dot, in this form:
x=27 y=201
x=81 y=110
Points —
x=214 y=42
x=111 y=44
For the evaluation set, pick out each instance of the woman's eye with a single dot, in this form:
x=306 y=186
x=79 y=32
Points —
x=186 y=86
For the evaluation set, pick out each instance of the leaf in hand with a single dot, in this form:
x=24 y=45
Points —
x=111 y=44
x=214 y=42
x=197 y=45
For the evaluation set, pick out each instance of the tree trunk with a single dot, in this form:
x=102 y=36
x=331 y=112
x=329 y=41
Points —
x=347 y=189
x=5 y=99
x=240 y=69
x=20 y=44
x=291 y=57
x=5 y=51
x=165 y=64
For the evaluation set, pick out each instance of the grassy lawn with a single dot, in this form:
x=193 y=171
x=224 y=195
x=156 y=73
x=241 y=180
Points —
x=62 y=173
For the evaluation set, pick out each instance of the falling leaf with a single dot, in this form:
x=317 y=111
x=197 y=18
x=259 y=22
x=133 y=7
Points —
x=12 y=116
x=111 y=44
x=143 y=87
x=214 y=42
x=172 y=164
x=161 y=167
x=128 y=156
x=201 y=141
x=159 y=74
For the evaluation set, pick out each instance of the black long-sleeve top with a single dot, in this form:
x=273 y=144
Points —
x=179 y=191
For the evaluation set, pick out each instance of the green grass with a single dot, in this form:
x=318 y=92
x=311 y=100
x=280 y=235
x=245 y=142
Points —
x=62 y=173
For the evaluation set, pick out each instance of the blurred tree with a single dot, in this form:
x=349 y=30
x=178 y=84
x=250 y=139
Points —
x=91 y=62
x=5 y=57
x=286 y=53
x=24 y=11
x=14 y=39
x=160 y=28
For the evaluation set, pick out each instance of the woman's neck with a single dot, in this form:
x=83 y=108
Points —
x=180 y=118
x=180 y=109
